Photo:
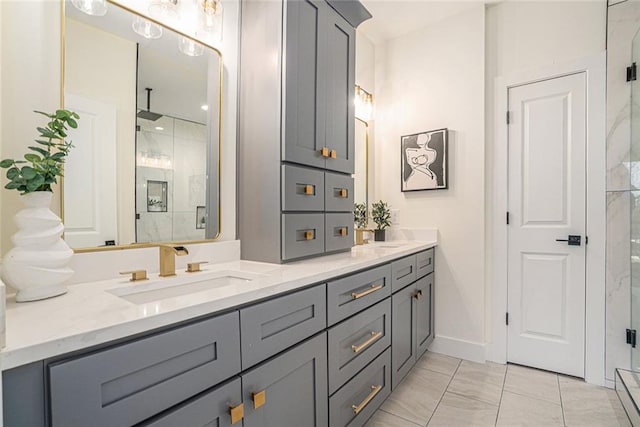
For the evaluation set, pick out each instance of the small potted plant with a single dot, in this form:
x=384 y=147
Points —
x=37 y=265
x=381 y=215
x=360 y=215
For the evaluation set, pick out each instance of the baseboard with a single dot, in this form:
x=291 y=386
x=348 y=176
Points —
x=609 y=384
x=461 y=349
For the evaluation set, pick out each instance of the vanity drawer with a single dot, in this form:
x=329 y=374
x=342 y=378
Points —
x=403 y=272
x=302 y=189
x=129 y=383
x=424 y=263
x=338 y=192
x=272 y=326
x=357 y=341
x=338 y=231
x=351 y=294
x=210 y=409
x=356 y=402
x=302 y=235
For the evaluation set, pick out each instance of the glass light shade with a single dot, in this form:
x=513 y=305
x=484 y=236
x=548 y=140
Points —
x=146 y=28
x=91 y=7
x=189 y=47
x=363 y=104
x=164 y=8
x=210 y=17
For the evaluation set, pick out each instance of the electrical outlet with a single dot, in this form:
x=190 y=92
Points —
x=395 y=216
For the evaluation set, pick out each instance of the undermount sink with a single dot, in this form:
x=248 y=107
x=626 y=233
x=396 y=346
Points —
x=182 y=285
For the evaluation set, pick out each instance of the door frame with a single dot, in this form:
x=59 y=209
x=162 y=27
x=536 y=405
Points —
x=594 y=68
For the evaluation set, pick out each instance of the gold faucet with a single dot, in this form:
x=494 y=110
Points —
x=360 y=235
x=168 y=255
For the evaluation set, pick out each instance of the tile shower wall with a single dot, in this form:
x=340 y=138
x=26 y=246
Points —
x=623 y=23
x=173 y=151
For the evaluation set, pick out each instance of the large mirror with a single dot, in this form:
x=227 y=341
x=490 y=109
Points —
x=145 y=167
x=361 y=175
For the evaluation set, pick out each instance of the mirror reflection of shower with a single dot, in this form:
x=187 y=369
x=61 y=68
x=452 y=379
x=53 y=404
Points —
x=170 y=178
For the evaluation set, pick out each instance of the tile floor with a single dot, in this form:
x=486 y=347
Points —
x=444 y=391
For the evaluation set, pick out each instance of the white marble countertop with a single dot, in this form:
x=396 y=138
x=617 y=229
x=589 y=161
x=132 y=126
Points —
x=89 y=315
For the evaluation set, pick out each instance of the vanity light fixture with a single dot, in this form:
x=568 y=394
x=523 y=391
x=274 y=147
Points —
x=190 y=47
x=211 y=21
x=164 y=9
x=146 y=28
x=91 y=7
x=363 y=104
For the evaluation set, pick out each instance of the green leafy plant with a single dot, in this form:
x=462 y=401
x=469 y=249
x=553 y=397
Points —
x=360 y=215
x=44 y=164
x=381 y=215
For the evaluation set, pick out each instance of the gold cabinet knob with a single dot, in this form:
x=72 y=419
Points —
x=418 y=295
x=193 y=267
x=309 y=234
x=343 y=193
x=324 y=152
x=236 y=412
x=136 y=275
x=334 y=154
x=343 y=231
x=259 y=398
x=308 y=189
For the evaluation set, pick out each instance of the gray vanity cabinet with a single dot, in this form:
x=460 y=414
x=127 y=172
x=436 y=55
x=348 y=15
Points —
x=306 y=98
x=340 y=72
x=212 y=408
x=403 y=333
x=290 y=389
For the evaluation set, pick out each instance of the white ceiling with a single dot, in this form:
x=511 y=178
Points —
x=394 y=18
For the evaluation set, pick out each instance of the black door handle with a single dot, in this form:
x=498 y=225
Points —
x=573 y=240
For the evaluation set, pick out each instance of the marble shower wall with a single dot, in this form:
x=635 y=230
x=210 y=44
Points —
x=173 y=151
x=623 y=24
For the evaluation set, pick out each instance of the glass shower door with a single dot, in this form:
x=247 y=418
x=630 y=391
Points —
x=634 y=173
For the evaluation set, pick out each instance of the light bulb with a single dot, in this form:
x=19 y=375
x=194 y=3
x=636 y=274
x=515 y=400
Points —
x=146 y=28
x=189 y=47
x=91 y=7
x=164 y=9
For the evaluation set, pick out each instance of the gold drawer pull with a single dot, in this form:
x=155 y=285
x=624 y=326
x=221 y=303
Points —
x=324 y=152
x=309 y=235
x=308 y=189
x=375 y=389
x=259 y=398
x=372 y=289
x=344 y=193
x=333 y=154
x=236 y=412
x=343 y=231
x=374 y=337
x=418 y=294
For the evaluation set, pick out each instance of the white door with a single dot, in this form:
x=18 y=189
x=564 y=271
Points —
x=547 y=203
x=90 y=204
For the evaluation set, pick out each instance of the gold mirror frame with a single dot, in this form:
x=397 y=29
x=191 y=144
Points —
x=366 y=160
x=220 y=73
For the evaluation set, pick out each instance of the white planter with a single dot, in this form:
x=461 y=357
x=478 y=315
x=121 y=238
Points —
x=37 y=265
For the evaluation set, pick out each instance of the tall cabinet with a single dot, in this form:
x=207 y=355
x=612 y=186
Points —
x=296 y=132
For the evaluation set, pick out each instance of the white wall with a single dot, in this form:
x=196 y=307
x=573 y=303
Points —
x=523 y=36
x=31 y=42
x=430 y=79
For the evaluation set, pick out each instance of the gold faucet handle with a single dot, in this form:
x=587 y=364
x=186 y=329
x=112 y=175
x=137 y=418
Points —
x=136 y=275
x=193 y=267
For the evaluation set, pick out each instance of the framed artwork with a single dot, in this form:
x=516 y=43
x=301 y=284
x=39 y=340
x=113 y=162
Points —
x=424 y=159
x=201 y=217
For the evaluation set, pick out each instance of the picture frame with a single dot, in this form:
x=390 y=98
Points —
x=424 y=161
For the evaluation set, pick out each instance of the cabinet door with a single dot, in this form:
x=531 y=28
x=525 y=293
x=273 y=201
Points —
x=289 y=390
x=305 y=94
x=424 y=314
x=403 y=333
x=340 y=74
x=209 y=409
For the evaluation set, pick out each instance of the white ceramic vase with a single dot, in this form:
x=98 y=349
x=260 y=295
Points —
x=37 y=266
